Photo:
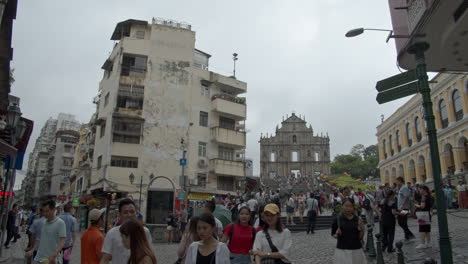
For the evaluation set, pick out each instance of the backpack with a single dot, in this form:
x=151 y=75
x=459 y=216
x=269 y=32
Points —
x=366 y=203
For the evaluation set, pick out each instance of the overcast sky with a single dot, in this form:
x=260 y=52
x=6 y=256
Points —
x=292 y=54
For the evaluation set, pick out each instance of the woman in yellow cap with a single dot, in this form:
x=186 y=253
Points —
x=273 y=244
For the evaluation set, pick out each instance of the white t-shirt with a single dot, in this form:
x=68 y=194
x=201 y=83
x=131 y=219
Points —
x=282 y=241
x=461 y=188
x=291 y=202
x=113 y=245
x=252 y=203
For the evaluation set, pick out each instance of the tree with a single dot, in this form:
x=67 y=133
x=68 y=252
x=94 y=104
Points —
x=360 y=163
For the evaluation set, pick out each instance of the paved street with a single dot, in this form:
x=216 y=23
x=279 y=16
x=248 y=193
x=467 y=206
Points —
x=319 y=248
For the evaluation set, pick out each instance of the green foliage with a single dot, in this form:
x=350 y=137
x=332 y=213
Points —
x=360 y=163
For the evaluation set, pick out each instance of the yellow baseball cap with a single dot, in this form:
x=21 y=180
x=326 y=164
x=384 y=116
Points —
x=271 y=208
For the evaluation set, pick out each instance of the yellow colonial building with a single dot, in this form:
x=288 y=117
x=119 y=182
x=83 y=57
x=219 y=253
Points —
x=403 y=143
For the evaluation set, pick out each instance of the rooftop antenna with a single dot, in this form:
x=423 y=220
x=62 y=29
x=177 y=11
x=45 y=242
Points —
x=234 y=58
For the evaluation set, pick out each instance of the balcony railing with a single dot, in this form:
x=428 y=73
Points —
x=233 y=107
x=232 y=138
x=227 y=167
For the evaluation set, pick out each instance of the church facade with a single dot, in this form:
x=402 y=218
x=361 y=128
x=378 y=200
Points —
x=294 y=150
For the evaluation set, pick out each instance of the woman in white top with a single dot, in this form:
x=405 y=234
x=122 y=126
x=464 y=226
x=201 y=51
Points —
x=208 y=250
x=274 y=242
x=462 y=195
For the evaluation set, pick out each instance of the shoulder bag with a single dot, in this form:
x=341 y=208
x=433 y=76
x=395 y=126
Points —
x=273 y=250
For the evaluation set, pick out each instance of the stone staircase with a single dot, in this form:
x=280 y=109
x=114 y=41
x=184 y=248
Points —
x=321 y=223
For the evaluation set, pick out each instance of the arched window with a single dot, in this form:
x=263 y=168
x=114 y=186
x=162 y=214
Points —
x=398 y=140
x=390 y=141
x=457 y=105
x=417 y=127
x=443 y=113
x=294 y=139
x=409 y=135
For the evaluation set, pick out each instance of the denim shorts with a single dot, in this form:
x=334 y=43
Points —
x=240 y=259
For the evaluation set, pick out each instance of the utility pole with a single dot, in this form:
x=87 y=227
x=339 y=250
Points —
x=141 y=185
x=234 y=58
x=418 y=50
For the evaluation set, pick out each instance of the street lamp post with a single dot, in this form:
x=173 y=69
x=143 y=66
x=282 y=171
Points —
x=131 y=177
x=418 y=50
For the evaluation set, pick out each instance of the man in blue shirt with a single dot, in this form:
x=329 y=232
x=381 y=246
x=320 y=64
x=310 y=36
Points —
x=72 y=228
x=404 y=201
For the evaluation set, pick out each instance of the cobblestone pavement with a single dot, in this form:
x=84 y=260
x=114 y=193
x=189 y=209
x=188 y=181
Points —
x=319 y=247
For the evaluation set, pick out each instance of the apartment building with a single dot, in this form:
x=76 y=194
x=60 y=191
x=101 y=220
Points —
x=403 y=143
x=40 y=162
x=157 y=100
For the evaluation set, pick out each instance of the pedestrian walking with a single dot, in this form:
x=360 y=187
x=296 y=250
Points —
x=29 y=222
x=53 y=235
x=260 y=221
x=312 y=212
x=273 y=243
x=290 y=210
x=241 y=236
x=92 y=238
x=35 y=234
x=253 y=206
x=210 y=207
x=349 y=230
x=134 y=238
x=369 y=205
x=11 y=226
x=448 y=196
x=404 y=196
x=424 y=217
x=189 y=236
x=113 y=250
x=388 y=214
x=462 y=195
x=208 y=250
x=301 y=201
x=171 y=226
x=72 y=228
x=183 y=218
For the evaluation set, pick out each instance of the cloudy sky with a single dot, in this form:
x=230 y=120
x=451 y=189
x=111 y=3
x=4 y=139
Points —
x=293 y=55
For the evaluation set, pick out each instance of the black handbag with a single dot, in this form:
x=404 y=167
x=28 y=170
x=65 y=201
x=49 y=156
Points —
x=273 y=249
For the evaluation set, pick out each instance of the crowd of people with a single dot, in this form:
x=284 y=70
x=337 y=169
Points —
x=255 y=235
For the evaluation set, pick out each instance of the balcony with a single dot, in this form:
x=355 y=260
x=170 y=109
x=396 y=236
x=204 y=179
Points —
x=128 y=113
x=233 y=107
x=227 y=167
x=131 y=75
x=230 y=138
x=228 y=84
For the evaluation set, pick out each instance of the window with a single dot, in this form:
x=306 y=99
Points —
x=204 y=90
x=409 y=135
x=68 y=162
x=281 y=153
x=225 y=183
x=62 y=186
x=106 y=100
x=133 y=64
x=384 y=143
x=124 y=162
x=203 y=119
x=140 y=34
x=227 y=123
x=226 y=153
x=272 y=156
x=202 y=149
x=68 y=149
x=201 y=180
x=294 y=156
x=417 y=127
x=317 y=156
x=309 y=153
x=390 y=141
x=103 y=130
x=457 y=105
x=99 y=162
x=443 y=113
x=294 y=139
x=127 y=132
x=398 y=140
x=130 y=97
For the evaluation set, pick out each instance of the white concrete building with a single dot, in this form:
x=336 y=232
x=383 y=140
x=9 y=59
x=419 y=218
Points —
x=157 y=91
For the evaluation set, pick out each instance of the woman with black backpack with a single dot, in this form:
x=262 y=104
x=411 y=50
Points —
x=241 y=236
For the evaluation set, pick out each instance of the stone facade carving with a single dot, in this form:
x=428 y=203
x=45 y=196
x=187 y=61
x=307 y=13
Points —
x=294 y=150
